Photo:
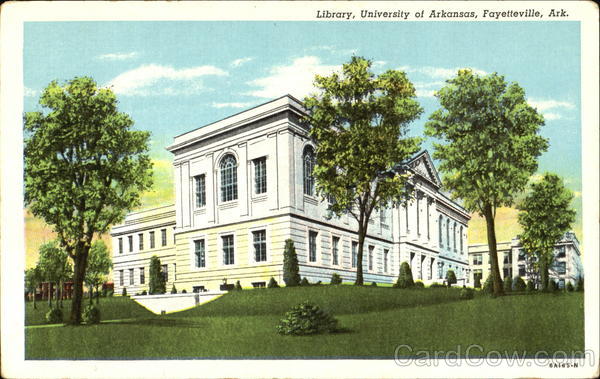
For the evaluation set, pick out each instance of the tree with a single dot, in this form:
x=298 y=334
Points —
x=99 y=264
x=545 y=215
x=291 y=271
x=33 y=278
x=405 y=278
x=358 y=123
x=518 y=284
x=84 y=168
x=450 y=278
x=54 y=267
x=157 y=280
x=490 y=146
x=335 y=279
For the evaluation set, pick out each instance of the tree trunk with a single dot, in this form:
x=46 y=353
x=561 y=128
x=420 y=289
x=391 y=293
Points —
x=80 y=264
x=544 y=277
x=49 y=294
x=34 y=291
x=97 y=295
x=359 y=257
x=57 y=294
x=91 y=294
x=498 y=290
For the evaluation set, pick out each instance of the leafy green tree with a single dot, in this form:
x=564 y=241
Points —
x=84 y=168
x=507 y=284
x=450 y=278
x=55 y=267
x=291 y=271
x=359 y=123
x=530 y=286
x=518 y=284
x=545 y=215
x=99 y=264
x=33 y=278
x=580 y=284
x=405 y=278
x=335 y=279
x=157 y=280
x=272 y=283
x=490 y=145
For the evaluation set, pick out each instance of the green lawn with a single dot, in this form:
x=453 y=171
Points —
x=375 y=321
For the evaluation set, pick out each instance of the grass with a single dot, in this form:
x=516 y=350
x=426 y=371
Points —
x=375 y=321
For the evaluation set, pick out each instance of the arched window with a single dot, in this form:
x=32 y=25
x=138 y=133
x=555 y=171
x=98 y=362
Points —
x=440 y=231
x=309 y=164
x=228 y=178
x=462 y=246
x=454 y=235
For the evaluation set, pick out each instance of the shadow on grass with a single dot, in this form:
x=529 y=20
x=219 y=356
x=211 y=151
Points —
x=166 y=322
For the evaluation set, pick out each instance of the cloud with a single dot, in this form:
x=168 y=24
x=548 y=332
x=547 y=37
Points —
x=30 y=92
x=231 y=105
x=545 y=106
x=295 y=78
x=118 y=56
x=156 y=79
x=438 y=72
x=240 y=61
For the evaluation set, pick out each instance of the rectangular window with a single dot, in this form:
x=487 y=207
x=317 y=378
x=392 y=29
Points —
x=141 y=241
x=371 y=248
x=354 y=253
x=507 y=258
x=165 y=272
x=130 y=243
x=228 y=253
x=561 y=267
x=142 y=276
x=152 y=245
x=385 y=260
x=200 y=190
x=130 y=276
x=521 y=255
x=477 y=260
x=521 y=270
x=199 y=254
x=260 y=245
x=334 y=250
x=477 y=276
x=260 y=175
x=560 y=252
x=312 y=246
x=163 y=237
x=174 y=272
x=120 y=245
x=121 y=278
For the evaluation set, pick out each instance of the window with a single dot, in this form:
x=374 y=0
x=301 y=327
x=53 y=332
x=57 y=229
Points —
x=200 y=184
x=334 y=250
x=477 y=260
x=385 y=260
x=120 y=245
x=174 y=237
x=199 y=254
x=141 y=241
x=354 y=253
x=427 y=215
x=174 y=272
x=131 y=276
x=260 y=245
x=163 y=237
x=165 y=272
x=477 y=276
x=121 y=278
x=309 y=165
x=418 y=215
x=142 y=276
x=130 y=243
x=507 y=257
x=312 y=246
x=228 y=178
x=228 y=254
x=560 y=253
x=260 y=175
x=561 y=267
x=462 y=245
x=440 y=226
x=522 y=270
x=454 y=236
x=152 y=244
x=371 y=248
x=507 y=273
x=521 y=255
x=448 y=233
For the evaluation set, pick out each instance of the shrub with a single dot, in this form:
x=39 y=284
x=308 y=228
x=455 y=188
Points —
x=124 y=292
x=54 y=316
x=580 y=284
x=552 y=285
x=373 y=284
x=488 y=287
x=419 y=284
x=110 y=293
x=530 y=286
x=144 y=292
x=450 y=278
x=291 y=271
x=466 y=294
x=157 y=280
x=304 y=282
x=477 y=283
x=136 y=294
x=173 y=289
x=405 y=279
x=436 y=285
x=335 y=279
x=272 y=283
x=238 y=286
x=518 y=284
x=91 y=314
x=570 y=287
x=305 y=319
x=507 y=284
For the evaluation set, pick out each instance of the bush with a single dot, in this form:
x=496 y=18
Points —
x=419 y=284
x=436 y=285
x=157 y=280
x=110 y=293
x=477 y=283
x=54 y=316
x=335 y=279
x=144 y=292
x=373 y=284
x=466 y=294
x=291 y=271
x=124 y=292
x=488 y=287
x=238 y=286
x=507 y=284
x=450 y=277
x=570 y=287
x=552 y=285
x=518 y=284
x=306 y=319
x=580 y=284
x=173 y=289
x=272 y=283
x=304 y=282
x=405 y=278
x=530 y=286
x=182 y=291
x=91 y=315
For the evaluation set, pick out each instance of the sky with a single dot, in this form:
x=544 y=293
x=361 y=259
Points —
x=172 y=77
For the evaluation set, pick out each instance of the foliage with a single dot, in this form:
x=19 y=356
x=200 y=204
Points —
x=467 y=294
x=124 y=291
x=291 y=271
x=306 y=319
x=436 y=285
x=507 y=283
x=173 y=289
x=238 y=285
x=98 y=265
x=552 y=286
x=359 y=123
x=545 y=215
x=487 y=286
x=490 y=146
x=272 y=283
x=144 y=292
x=33 y=278
x=304 y=282
x=54 y=263
x=580 y=284
x=336 y=279
x=54 y=316
x=84 y=168
x=157 y=281
x=518 y=284
x=450 y=278
x=419 y=284
x=405 y=278
x=91 y=314
x=373 y=284
x=570 y=287
x=110 y=293
x=182 y=291
x=530 y=286
x=477 y=283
